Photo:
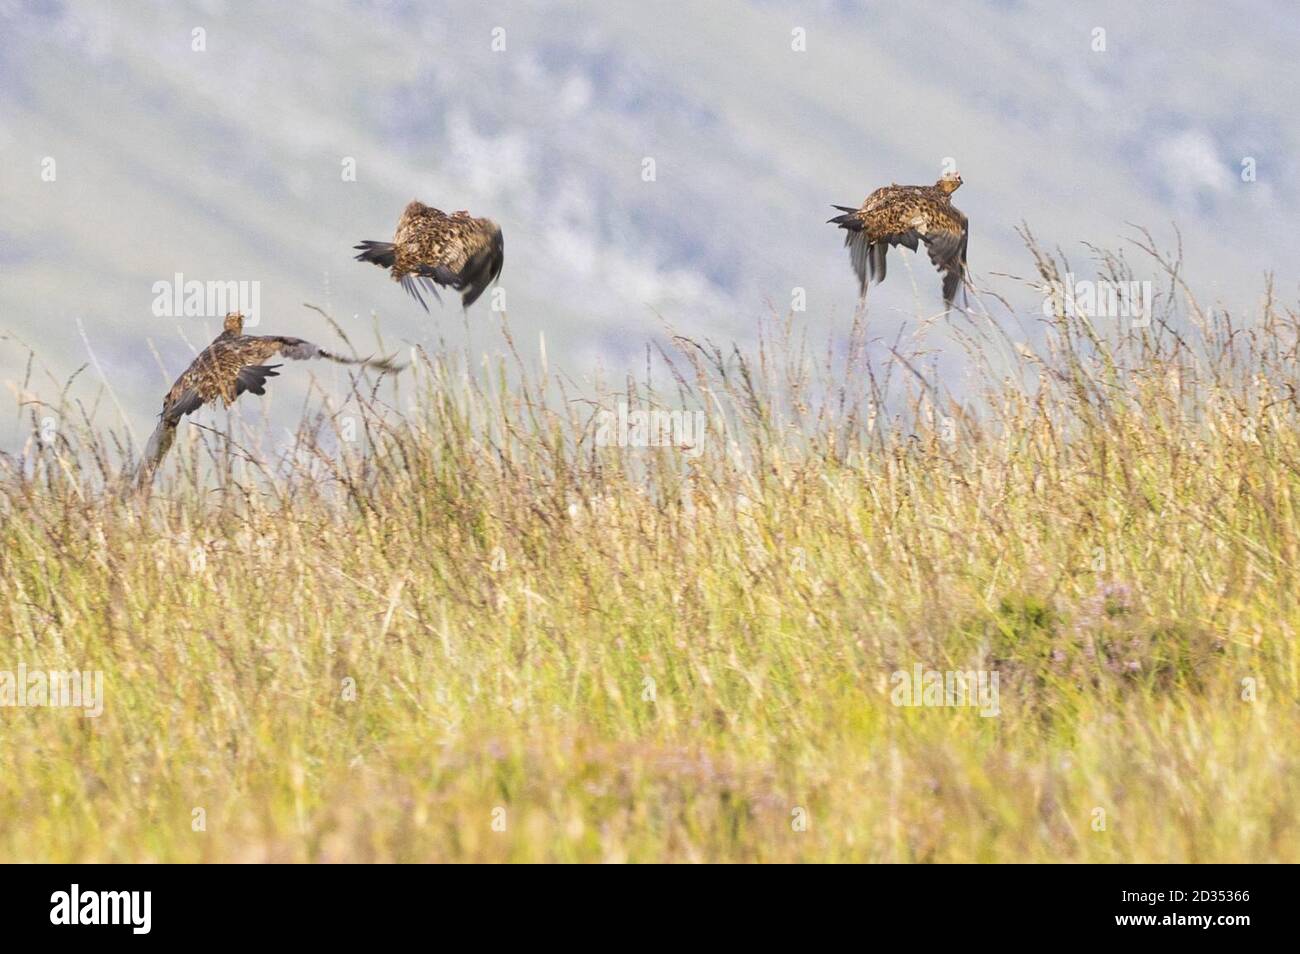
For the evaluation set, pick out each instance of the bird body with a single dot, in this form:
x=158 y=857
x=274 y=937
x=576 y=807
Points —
x=232 y=364
x=905 y=215
x=433 y=248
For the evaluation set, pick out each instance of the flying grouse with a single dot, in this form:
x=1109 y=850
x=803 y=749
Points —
x=905 y=215
x=224 y=370
x=433 y=248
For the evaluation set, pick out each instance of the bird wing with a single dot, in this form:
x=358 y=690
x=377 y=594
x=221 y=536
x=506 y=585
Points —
x=181 y=400
x=230 y=366
x=252 y=378
x=412 y=283
x=227 y=368
x=945 y=239
x=486 y=256
x=160 y=442
x=463 y=253
x=262 y=347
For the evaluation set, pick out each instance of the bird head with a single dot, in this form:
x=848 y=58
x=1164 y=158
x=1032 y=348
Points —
x=234 y=323
x=949 y=183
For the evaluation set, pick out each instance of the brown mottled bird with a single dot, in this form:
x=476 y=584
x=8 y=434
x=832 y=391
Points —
x=433 y=248
x=224 y=370
x=904 y=215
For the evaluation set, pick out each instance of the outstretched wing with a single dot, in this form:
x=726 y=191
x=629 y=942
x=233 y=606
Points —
x=227 y=368
x=230 y=366
x=300 y=350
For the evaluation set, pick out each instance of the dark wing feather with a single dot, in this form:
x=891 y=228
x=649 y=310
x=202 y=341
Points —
x=300 y=350
x=483 y=268
x=431 y=288
x=412 y=286
x=946 y=243
x=252 y=378
x=185 y=402
x=480 y=246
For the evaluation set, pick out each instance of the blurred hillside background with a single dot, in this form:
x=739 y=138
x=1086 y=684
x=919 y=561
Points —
x=226 y=164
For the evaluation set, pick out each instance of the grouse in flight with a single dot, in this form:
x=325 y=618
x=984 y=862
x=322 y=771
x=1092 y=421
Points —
x=433 y=248
x=224 y=370
x=904 y=215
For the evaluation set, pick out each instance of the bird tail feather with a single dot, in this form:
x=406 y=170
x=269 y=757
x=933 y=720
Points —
x=382 y=254
x=850 y=220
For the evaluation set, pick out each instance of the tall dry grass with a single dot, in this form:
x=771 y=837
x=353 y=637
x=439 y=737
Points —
x=442 y=623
